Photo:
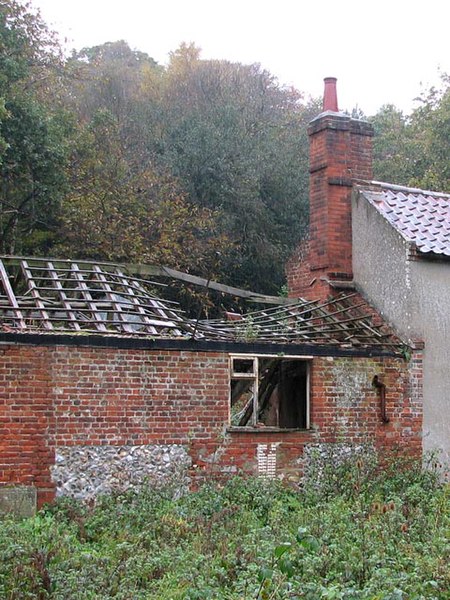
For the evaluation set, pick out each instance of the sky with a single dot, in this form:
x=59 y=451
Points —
x=381 y=52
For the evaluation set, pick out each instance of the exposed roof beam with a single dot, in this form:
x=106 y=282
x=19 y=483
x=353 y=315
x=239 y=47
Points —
x=160 y=271
x=157 y=271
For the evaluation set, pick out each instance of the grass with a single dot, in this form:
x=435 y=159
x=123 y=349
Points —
x=363 y=533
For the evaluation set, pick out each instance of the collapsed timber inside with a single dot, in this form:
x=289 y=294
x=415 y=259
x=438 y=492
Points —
x=83 y=298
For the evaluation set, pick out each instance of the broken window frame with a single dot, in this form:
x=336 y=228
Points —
x=253 y=374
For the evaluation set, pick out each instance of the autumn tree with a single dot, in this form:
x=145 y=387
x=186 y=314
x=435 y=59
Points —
x=232 y=139
x=122 y=205
x=237 y=141
x=109 y=76
x=128 y=211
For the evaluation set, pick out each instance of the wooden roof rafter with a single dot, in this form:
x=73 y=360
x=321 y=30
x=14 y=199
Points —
x=53 y=295
x=342 y=321
x=63 y=296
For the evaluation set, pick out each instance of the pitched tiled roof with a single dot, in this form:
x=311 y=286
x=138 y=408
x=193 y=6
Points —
x=421 y=217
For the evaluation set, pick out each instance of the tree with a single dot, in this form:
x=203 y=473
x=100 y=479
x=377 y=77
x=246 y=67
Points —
x=237 y=142
x=231 y=138
x=32 y=146
x=431 y=127
x=108 y=77
x=414 y=150
x=128 y=211
x=394 y=158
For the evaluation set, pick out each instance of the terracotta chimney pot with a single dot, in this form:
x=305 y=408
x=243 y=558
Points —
x=330 y=95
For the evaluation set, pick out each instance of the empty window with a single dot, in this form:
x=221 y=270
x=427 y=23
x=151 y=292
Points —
x=269 y=391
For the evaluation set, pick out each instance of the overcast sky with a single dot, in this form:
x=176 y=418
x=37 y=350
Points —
x=381 y=52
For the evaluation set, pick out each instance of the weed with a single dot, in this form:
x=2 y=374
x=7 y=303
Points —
x=366 y=535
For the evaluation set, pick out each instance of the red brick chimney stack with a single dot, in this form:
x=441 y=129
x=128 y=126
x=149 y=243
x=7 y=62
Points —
x=340 y=152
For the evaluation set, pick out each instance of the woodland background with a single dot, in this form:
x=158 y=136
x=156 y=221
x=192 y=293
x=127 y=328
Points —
x=200 y=165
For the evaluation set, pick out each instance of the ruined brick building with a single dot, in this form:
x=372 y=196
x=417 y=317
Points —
x=389 y=243
x=105 y=385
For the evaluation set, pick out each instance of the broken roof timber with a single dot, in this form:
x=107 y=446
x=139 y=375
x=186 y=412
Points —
x=155 y=271
x=49 y=296
x=146 y=270
x=86 y=297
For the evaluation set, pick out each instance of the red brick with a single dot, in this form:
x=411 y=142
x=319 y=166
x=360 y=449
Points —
x=180 y=404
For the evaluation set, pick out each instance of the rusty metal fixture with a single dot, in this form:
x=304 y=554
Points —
x=381 y=388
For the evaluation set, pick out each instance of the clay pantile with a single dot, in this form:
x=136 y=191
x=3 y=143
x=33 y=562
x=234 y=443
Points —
x=421 y=217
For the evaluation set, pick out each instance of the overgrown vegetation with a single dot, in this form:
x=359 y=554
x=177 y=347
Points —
x=362 y=534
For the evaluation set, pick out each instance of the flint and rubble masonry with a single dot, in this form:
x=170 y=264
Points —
x=114 y=417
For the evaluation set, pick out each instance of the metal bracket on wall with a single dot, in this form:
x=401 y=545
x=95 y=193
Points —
x=382 y=392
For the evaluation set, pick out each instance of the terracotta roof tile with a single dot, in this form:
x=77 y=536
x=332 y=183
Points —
x=421 y=217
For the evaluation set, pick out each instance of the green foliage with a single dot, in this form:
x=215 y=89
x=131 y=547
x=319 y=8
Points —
x=231 y=137
x=32 y=138
x=106 y=154
x=385 y=536
x=27 y=46
x=393 y=160
x=413 y=150
x=118 y=208
x=31 y=177
x=237 y=140
x=431 y=125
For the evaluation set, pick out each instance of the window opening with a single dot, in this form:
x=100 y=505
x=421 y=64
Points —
x=269 y=392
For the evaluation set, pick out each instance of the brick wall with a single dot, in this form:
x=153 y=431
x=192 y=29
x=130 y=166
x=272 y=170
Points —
x=83 y=396
x=26 y=418
x=346 y=407
x=132 y=396
x=300 y=279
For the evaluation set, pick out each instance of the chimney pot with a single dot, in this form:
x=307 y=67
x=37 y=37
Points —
x=330 y=95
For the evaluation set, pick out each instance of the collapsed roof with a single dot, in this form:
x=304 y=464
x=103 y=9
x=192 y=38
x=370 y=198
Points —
x=40 y=295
